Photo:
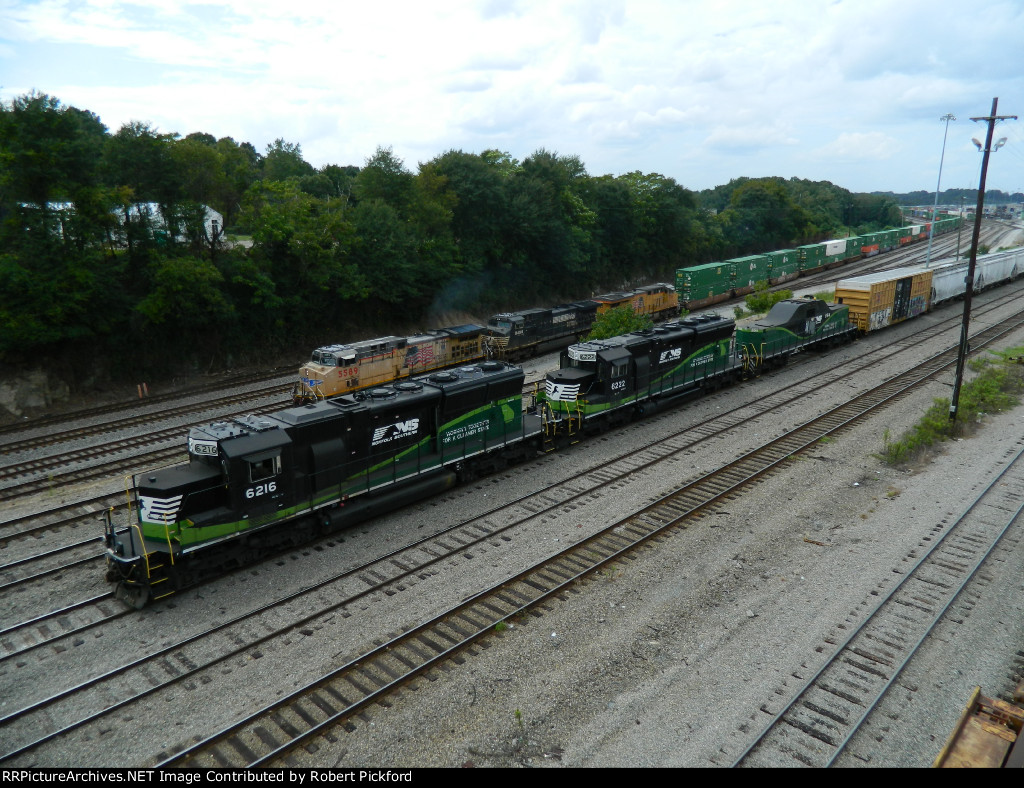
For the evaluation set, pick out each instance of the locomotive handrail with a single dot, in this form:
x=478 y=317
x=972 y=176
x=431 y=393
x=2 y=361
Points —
x=170 y=547
x=127 y=492
x=142 y=545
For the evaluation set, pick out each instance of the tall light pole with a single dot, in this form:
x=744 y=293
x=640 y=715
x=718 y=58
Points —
x=931 y=227
x=959 y=229
x=969 y=279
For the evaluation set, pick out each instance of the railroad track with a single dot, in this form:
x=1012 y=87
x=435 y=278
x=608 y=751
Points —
x=266 y=737
x=228 y=382
x=487 y=532
x=825 y=714
x=141 y=420
x=26 y=570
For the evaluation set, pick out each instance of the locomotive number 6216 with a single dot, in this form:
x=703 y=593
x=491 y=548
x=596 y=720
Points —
x=261 y=489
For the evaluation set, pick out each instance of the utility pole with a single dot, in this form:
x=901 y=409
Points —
x=992 y=119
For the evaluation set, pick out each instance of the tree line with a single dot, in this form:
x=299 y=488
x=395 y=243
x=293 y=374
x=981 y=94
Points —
x=90 y=278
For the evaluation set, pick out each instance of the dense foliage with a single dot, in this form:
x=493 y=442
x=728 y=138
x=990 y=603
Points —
x=620 y=320
x=107 y=256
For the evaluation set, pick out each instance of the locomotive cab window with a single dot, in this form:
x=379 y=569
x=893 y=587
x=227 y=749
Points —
x=261 y=468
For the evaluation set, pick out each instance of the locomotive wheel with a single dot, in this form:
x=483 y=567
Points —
x=136 y=597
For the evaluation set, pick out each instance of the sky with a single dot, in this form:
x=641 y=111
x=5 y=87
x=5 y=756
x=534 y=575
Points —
x=847 y=91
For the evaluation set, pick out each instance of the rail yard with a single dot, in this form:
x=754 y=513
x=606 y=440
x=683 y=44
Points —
x=592 y=627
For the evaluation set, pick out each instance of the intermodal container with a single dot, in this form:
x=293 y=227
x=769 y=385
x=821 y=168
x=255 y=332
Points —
x=748 y=271
x=783 y=265
x=700 y=285
x=811 y=257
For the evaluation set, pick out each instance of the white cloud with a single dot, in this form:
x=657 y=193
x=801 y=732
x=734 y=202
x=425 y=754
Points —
x=832 y=90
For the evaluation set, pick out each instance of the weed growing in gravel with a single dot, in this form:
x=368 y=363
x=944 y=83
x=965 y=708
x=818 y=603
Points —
x=997 y=386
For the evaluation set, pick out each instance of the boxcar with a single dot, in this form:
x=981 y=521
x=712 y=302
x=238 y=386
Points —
x=886 y=297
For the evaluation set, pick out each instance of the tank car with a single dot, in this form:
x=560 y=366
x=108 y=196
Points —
x=342 y=369
x=262 y=482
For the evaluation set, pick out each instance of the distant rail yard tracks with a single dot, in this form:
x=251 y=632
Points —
x=372 y=673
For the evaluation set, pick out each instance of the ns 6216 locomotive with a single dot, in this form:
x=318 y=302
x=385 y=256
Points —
x=281 y=479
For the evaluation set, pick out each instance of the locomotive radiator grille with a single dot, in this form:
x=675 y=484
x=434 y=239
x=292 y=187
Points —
x=159 y=510
x=562 y=392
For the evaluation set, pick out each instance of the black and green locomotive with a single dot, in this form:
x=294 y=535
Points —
x=264 y=482
x=608 y=382
x=260 y=483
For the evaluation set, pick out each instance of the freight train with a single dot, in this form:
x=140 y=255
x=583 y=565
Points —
x=700 y=286
x=342 y=369
x=259 y=483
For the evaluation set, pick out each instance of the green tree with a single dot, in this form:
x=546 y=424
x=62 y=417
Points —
x=241 y=164
x=618 y=321
x=48 y=151
x=139 y=157
x=284 y=160
x=384 y=177
x=304 y=247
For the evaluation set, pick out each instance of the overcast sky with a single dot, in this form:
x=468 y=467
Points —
x=848 y=91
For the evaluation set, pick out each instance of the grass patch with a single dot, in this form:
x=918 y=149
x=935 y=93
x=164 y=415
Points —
x=997 y=386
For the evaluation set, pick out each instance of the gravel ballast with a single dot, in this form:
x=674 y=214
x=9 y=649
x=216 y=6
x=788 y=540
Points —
x=666 y=660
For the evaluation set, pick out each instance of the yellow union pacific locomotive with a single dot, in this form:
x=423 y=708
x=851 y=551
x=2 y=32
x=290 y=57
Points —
x=511 y=336
x=341 y=369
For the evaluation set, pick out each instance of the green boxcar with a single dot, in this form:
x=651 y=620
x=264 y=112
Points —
x=748 y=271
x=700 y=285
